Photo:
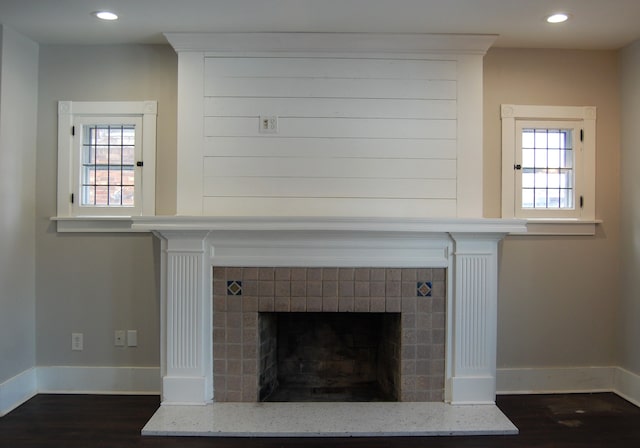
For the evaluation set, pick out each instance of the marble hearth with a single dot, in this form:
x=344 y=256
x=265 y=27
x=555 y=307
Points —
x=466 y=248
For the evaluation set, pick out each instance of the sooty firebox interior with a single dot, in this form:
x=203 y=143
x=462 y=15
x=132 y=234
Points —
x=329 y=356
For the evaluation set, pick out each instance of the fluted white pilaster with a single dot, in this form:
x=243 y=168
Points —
x=186 y=314
x=474 y=320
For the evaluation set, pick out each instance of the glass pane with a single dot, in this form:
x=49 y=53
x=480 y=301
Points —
x=566 y=179
x=127 y=196
x=527 y=139
x=128 y=155
x=102 y=176
x=89 y=175
x=541 y=138
x=566 y=198
x=553 y=158
x=115 y=155
x=115 y=176
x=541 y=158
x=102 y=196
x=566 y=159
x=527 y=198
x=528 y=158
x=87 y=195
x=115 y=195
x=554 y=139
x=102 y=155
x=553 y=179
x=128 y=176
x=541 y=179
x=540 y=198
x=528 y=180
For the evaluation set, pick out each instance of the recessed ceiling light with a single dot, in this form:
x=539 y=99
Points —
x=558 y=18
x=105 y=15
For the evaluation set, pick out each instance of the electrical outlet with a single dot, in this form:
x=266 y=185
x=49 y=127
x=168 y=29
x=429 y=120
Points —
x=77 y=343
x=119 y=338
x=132 y=338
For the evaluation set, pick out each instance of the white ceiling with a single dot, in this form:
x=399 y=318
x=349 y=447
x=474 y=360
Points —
x=594 y=24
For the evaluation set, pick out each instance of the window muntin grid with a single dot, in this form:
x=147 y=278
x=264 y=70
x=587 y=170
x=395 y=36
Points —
x=108 y=165
x=548 y=180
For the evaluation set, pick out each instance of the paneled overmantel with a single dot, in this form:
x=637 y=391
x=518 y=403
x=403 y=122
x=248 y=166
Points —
x=329 y=124
x=467 y=248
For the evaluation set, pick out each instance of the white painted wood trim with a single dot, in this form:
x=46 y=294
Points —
x=331 y=42
x=469 y=138
x=187 y=369
x=190 y=133
x=555 y=380
x=17 y=390
x=627 y=385
x=99 y=380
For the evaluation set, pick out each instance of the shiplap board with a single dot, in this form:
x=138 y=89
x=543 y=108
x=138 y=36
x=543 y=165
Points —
x=330 y=108
x=347 y=207
x=330 y=88
x=331 y=168
x=311 y=67
x=365 y=148
x=333 y=127
x=330 y=188
x=355 y=137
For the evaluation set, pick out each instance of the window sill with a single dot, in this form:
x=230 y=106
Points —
x=566 y=227
x=94 y=224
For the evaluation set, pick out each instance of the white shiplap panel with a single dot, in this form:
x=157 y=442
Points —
x=300 y=187
x=396 y=208
x=330 y=68
x=330 y=107
x=329 y=147
x=333 y=128
x=328 y=168
x=330 y=88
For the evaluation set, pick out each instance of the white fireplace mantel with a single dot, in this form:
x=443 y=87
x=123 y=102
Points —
x=468 y=248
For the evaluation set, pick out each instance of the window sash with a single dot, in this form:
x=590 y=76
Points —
x=101 y=177
x=548 y=180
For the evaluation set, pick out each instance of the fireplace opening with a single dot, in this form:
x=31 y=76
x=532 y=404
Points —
x=329 y=356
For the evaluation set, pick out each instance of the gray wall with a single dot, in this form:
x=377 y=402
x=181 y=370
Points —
x=97 y=283
x=18 y=111
x=629 y=334
x=558 y=296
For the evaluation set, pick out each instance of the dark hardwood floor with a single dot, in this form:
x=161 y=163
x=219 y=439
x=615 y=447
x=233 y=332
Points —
x=545 y=421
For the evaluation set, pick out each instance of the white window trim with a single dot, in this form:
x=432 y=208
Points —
x=66 y=219
x=585 y=224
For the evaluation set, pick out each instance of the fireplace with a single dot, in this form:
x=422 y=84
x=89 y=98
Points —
x=307 y=328
x=466 y=249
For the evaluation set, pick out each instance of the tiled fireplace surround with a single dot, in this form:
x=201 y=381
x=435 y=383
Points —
x=191 y=334
x=240 y=294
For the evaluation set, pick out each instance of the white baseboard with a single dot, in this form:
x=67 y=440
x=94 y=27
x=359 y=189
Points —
x=17 y=390
x=555 y=380
x=99 y=380
x=570 y=380
x=627 y=385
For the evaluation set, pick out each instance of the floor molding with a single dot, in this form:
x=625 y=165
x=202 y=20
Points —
x=627 y=385
x=99 y=380
x=555 y=380
x=17 y=390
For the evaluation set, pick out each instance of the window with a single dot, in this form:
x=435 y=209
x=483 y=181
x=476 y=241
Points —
x=106 y=158
x=548 y=162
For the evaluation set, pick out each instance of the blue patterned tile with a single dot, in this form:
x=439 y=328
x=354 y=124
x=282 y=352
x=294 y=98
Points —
x=234 y=288
x=424 y=289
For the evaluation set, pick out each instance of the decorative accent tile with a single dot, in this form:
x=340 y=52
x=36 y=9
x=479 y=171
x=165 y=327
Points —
x=234 y=288
x=424 y=289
